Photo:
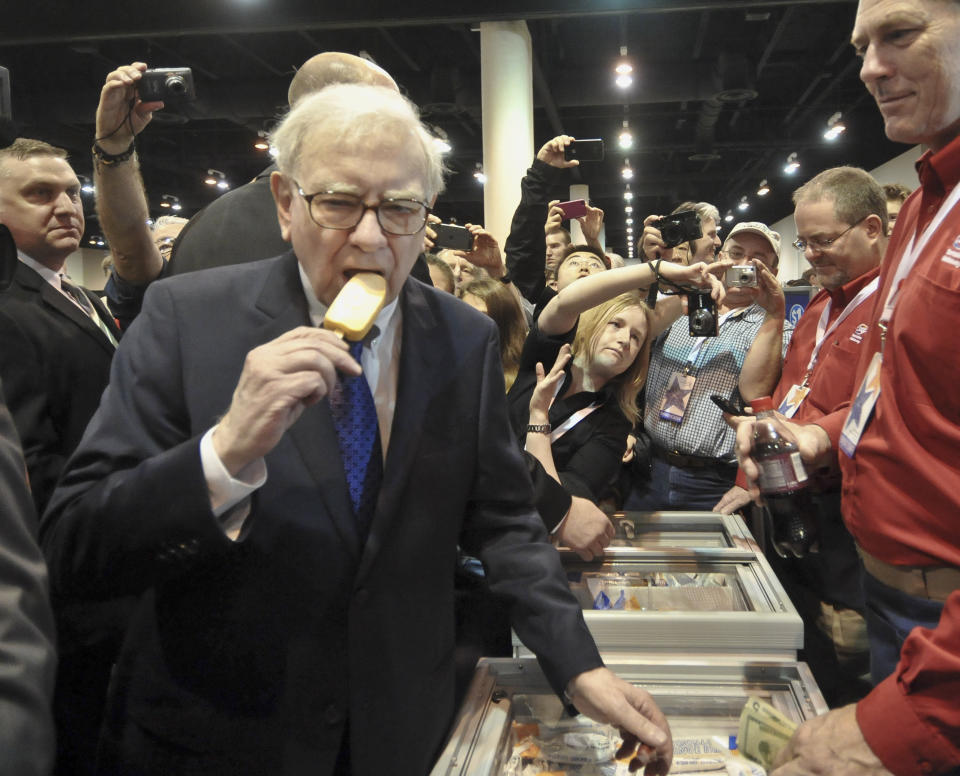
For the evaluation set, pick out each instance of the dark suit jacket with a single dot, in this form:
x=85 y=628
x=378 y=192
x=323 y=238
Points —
x=27 y=657
x=256 y=653
x=237 y=227
x=55 y=363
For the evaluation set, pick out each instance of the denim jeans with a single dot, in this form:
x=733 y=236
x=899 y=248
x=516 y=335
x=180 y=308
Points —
x=891 y=615
x=673 y=488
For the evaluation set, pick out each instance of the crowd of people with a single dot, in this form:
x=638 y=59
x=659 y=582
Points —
x=266 y=547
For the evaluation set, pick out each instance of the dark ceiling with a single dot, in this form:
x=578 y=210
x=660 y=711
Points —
x=723 y=92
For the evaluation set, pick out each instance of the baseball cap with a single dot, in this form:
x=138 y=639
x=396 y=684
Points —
x=755 y=227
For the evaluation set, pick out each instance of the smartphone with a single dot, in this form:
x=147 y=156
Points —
x=574 y=208
x=452 y=236
x=725 y=405
x=585 y=150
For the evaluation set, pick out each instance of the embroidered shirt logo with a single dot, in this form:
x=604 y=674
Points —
x=952 y=256
x=858 y=333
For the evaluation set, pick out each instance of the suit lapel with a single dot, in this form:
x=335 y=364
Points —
x=52 y=298
x=283 y=302
x=421 y=364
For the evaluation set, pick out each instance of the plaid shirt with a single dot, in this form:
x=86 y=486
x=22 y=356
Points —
x=716 y=369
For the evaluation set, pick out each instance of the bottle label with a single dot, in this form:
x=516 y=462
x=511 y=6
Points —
x=782 y=473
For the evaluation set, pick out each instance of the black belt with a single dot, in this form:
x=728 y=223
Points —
x=691 y=461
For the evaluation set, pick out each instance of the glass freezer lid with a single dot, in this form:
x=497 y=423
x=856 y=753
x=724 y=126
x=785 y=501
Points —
x=510 y=708
x=684 y=530
x=671 y=585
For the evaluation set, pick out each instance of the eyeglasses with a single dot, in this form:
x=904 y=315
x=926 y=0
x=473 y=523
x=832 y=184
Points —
x=336 y=210
x=739 y=255
x=819 y=244
x=579 y=264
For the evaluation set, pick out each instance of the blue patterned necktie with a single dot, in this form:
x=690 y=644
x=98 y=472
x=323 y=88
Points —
x=358 y=436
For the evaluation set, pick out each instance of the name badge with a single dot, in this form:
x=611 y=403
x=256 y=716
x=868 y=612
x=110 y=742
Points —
x=792 y=401
x=862 y=407
x=675 y=401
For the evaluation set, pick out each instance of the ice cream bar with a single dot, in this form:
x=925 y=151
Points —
x=355 y=309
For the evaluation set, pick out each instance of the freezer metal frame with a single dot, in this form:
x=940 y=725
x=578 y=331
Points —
x=700 y=697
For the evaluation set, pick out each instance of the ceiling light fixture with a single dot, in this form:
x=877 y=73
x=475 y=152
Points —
x=478 y=174
x=744 y=204
x=261 y=143
x=85 y=185
x=835 y=127
x=216 y=178
x=628 y=195
x=170 y=201
x=624 y=70
x=792 y=164
x=625 y=138
x=729 y=216
x=441 y=140
x=764 y=188
x=626 y=172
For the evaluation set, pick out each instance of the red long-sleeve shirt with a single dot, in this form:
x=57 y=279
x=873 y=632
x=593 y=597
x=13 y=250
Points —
x=901 y=490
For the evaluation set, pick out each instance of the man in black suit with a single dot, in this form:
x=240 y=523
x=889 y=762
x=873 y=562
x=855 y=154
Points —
x=27 y=656
x=278 y=632
x=55 y=360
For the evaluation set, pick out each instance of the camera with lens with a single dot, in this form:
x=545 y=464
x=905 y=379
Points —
x=679 y=228
x=701 y=314
x=741 y=277
x=169 y=84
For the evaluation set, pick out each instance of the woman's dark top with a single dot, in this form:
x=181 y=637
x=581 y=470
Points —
x=587 y=456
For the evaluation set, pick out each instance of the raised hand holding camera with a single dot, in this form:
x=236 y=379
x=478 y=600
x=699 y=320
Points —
x=121 y=115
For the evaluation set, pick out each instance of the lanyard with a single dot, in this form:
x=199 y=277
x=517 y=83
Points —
x=823 y=332
x=570 y=422
x=575 y=418
x=912 y=253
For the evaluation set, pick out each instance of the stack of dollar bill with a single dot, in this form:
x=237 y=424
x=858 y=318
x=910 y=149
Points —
x=764 y=731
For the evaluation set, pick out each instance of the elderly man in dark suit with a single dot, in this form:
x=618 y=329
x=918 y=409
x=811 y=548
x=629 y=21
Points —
x=286 y=625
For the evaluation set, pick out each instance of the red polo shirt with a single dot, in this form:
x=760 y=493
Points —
x=901 y=490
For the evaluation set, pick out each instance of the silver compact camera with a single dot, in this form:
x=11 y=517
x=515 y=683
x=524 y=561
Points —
x=169 y=84
x=741 y=277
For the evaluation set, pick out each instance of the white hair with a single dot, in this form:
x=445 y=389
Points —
x=356 y=116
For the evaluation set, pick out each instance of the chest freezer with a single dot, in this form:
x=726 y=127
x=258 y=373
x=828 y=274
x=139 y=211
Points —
x=701 y=698
x=690 y=601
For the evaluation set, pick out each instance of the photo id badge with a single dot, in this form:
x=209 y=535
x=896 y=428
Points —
x=792 y=401
x=862 y=407
x=677 y=397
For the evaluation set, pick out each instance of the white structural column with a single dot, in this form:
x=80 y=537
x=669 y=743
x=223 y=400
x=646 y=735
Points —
x=506 y=83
